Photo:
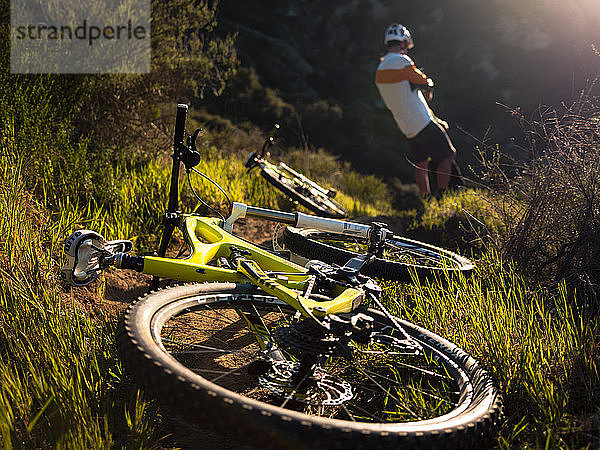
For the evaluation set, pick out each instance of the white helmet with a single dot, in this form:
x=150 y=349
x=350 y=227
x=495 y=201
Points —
x=397 y=32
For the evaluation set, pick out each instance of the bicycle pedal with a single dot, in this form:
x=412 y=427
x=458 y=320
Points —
x=85 y=251
x=82 y=264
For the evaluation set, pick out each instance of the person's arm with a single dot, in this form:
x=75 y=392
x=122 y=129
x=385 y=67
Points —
x=409 y=73
x=442 y=122
x=418 y=77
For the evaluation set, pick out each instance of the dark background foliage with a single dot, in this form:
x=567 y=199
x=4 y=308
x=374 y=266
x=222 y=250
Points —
x=487 y=58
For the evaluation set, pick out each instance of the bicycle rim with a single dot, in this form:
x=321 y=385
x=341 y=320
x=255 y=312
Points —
x=308 y=197
x=191 y=343
x=401 y=256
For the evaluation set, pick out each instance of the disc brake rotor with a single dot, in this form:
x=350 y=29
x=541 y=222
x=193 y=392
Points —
x=320 y=387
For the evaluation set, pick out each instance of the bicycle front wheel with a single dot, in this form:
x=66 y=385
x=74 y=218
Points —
x=400 y=256
x=315 y=200
x=192 y=347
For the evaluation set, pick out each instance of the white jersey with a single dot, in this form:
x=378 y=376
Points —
x=394 y=75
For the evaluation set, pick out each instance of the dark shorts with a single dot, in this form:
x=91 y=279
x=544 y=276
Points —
x=432 y=142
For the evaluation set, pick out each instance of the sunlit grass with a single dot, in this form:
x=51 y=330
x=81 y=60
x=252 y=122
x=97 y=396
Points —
x=60 y=381
x=537 y=345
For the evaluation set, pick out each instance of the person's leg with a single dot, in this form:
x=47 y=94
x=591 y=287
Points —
x=421 y=167
x=422 y=177
x=439 y=146
x=444 y=169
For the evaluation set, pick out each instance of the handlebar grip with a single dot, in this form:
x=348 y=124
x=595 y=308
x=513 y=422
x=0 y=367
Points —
x=178 y=138
x=274 y=130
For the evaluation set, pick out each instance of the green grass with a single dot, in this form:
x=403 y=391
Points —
x=539 y=347
x=61 y=384
x=60 y=381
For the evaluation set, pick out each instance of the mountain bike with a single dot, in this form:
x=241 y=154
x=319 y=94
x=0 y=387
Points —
x=293 y=184
x=286 y=355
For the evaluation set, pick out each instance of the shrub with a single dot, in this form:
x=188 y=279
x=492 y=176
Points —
x=189 y=61
x=325 y=168
x=245 y=98
x=549 y=202
x=406 y=196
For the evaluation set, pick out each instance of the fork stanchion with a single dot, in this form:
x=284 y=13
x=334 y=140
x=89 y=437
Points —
x=271 y=214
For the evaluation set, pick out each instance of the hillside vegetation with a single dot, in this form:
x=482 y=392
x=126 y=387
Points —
x=320 y=58
x=71 y=159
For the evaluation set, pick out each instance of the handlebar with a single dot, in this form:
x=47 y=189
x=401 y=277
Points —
x=180 y=118
x=270 y=140
x=172 y=213
x=178 y=143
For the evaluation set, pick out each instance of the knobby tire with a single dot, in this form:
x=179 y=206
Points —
x=402 y=258
x=176 y=340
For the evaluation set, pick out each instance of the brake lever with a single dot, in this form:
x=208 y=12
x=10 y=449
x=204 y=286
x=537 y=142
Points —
x=270 y=141
x=193 y=139
x=189 y=155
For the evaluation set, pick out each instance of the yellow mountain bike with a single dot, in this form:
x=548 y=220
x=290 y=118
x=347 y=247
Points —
x=287 y=355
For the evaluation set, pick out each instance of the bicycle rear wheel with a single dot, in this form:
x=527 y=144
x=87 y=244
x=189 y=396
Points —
x=191 y=348
x=401 y=255
x=309 y=197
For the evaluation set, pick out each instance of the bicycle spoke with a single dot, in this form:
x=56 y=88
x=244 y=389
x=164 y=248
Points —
x=415 y=415
x=220 y=314
x=350 y=416
x=232 y=371
x=377 y=388
x=361 y=409
x=202 y=348
x=212 y=371
x=422 y=391
x=295 y=389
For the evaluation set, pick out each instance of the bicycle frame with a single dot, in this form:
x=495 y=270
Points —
x=284 y=282
x=210 y=239
x=302 y=178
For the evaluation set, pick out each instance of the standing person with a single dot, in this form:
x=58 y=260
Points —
x=400 y=83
